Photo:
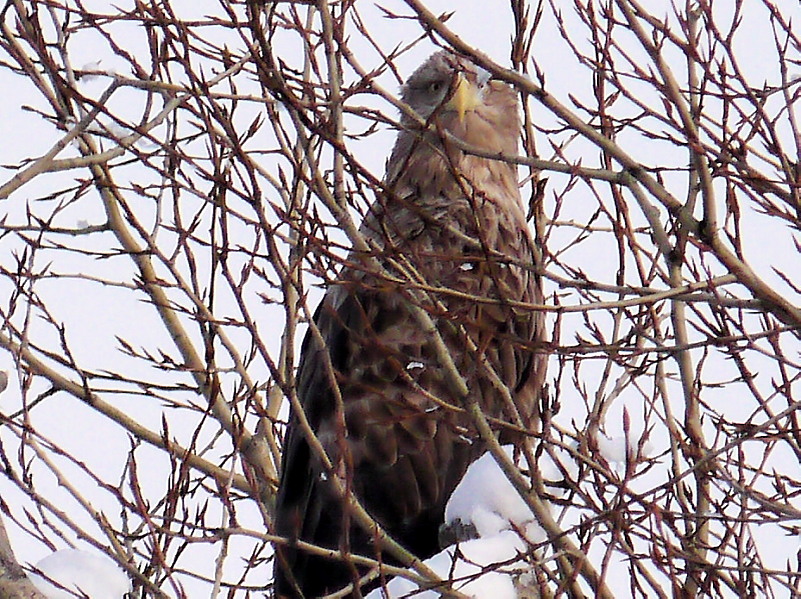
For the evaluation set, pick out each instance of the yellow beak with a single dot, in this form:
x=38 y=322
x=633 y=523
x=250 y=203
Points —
x=465 y=97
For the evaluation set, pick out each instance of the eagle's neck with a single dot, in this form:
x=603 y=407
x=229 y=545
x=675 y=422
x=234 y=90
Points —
x=433 y=172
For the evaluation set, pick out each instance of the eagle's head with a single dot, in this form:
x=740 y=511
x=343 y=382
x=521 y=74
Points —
x=454 y=96
x=461 y=95
x=446 y=83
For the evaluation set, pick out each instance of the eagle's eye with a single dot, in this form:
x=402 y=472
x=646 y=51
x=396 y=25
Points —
x=436 y=86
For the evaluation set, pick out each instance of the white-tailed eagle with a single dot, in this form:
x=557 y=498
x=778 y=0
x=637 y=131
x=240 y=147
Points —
x=451 y=237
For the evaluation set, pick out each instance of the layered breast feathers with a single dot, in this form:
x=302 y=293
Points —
x=450 y=237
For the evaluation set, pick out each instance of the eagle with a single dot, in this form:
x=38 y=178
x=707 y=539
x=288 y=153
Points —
x=448 y=239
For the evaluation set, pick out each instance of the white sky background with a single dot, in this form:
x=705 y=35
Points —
x=94 y=316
